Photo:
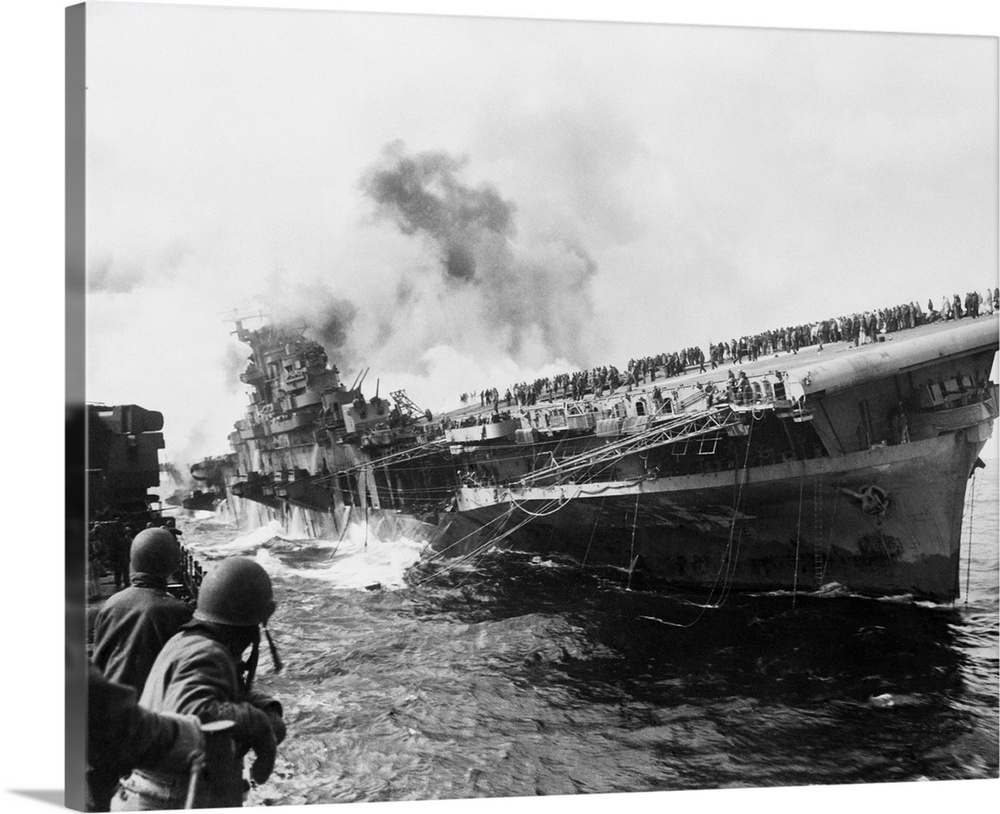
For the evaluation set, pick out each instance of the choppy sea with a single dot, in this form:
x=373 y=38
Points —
x=519 y=676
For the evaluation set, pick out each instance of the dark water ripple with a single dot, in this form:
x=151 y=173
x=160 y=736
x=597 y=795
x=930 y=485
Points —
x=524 y=677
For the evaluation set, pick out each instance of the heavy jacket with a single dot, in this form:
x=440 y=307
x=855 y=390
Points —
x=198 y=673
x=131 y=628
x=120 y=736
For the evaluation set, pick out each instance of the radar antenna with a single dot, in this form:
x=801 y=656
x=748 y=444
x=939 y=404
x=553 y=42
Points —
x=240 y=317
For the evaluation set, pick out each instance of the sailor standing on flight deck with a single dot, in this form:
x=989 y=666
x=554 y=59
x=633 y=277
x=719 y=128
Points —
x=201 y=672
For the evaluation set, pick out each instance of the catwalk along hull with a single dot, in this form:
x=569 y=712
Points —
x=844 y=463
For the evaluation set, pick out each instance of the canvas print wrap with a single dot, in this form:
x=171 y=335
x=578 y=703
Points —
x=489 y=407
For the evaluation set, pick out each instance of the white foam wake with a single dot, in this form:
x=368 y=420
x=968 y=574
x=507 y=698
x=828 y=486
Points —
x=243 y=542
x=358 y=562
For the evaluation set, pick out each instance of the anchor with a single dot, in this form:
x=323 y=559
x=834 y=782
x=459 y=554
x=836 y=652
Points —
x=874 y=500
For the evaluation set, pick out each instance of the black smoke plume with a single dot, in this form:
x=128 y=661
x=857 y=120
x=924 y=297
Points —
x=422 y=194
x=532 y=294
x=313 y=310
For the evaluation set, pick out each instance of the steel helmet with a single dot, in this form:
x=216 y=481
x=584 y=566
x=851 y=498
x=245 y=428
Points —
x=155 y=551
x=237 y=591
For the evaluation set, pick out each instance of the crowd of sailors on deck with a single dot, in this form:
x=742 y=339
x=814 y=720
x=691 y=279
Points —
x=858 y=328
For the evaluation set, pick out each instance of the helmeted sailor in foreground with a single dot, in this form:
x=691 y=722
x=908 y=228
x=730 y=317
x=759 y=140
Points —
x=200 y=672
x=133 y=625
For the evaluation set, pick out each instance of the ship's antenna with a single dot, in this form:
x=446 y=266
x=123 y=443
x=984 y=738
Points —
x=236 y=316
x=377 y=383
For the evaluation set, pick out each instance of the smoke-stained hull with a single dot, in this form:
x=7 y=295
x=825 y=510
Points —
x=785 y=526
x=842 y=465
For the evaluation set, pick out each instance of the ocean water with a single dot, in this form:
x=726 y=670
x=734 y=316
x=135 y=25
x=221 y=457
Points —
x=520 y=676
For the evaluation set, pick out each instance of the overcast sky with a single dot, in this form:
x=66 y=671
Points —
x=459 y=203
x=658 y=179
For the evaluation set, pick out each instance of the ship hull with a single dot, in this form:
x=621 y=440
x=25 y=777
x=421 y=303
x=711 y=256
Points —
x=847 y=464
x=881 y=521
